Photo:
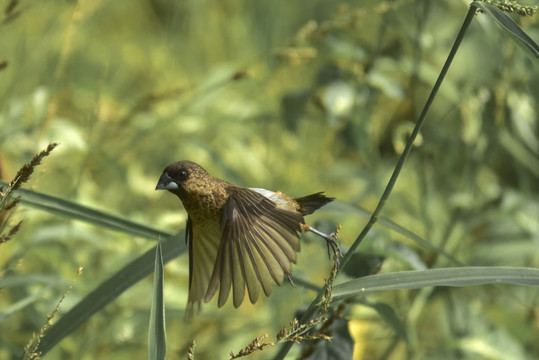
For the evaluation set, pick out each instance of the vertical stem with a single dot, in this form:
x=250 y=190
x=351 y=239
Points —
x=415 y=132
x=285 y=348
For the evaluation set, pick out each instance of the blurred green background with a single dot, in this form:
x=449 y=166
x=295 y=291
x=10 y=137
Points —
x=299 y=96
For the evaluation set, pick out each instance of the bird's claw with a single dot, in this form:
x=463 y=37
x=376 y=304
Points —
x=290 y=280
x=333 y=247
x=331 y=242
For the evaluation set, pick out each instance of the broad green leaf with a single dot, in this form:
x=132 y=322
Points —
x=75 y=211
x=109 y=290
x=157 y=339
x=461 y=276
x=517 y=34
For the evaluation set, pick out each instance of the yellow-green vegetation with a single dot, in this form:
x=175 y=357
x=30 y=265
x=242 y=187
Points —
x=299 y=96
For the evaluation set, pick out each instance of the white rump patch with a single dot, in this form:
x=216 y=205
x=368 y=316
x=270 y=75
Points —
x=273 y=196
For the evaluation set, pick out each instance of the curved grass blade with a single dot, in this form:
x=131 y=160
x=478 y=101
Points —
x=157 y=339
x=21 y=304
x=383 y=221
x=75 y=211
x=19 y=280
x=109 y=290
x=461 y=276
x=519 y=36
x=520 y=152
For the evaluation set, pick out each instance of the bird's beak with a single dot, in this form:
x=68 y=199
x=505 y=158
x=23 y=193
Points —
x=166 y=183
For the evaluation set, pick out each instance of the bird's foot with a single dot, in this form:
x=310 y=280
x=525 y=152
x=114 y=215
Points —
x=290 y=280
x=331 y=242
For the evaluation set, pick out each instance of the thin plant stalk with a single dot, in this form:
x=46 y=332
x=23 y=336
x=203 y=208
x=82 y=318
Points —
x=285 y=348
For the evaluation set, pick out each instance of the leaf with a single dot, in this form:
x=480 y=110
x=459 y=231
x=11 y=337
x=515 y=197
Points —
x=19 y=280
x=109 y=290
x=75 y=211
x=517 y=34
x=389 y=224
x=519 y=152
x=462 y=276
x=21 y=304
x=157 y=340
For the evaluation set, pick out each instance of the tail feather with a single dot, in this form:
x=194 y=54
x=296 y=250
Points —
x=310 y=203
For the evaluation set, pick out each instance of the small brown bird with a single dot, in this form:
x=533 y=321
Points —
x=237 y=236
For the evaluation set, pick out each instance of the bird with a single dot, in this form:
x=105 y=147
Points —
x=238 y=237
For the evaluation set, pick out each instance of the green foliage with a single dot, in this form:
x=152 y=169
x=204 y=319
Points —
x=521 y=38
x=298 y=96
x=157 y=339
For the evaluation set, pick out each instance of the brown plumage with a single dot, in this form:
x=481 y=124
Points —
x=238 y=237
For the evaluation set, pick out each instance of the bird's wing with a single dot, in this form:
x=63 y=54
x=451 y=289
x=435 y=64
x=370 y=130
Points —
x=203 y=244
x=258 y=244
x=189 y=243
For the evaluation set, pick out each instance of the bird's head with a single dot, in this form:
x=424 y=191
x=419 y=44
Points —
x=182 y=177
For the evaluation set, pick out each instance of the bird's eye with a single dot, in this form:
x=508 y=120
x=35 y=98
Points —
x=182 y=174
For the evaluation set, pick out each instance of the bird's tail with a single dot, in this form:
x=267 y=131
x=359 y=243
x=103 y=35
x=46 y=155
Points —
x=310 y=203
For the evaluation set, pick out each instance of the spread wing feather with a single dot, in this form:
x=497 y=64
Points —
x=258 y=244
x=203 y=249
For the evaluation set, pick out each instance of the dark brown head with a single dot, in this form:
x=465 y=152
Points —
x=183 y=178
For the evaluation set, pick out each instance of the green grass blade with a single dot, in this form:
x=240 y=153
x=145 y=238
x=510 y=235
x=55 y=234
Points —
x=75 y=211
x=109 y=290
x=461 y=276
x=19 y=280
x=21 y=304
x=517 y=34
x=387 y=223
x=157 y=340
x=519 y=152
